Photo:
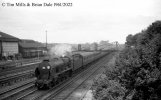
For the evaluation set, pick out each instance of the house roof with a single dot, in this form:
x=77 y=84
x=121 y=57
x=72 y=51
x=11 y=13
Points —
x=7 y=37
x=27 y=41
x=31 y=45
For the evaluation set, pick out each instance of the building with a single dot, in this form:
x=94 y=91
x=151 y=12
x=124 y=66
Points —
x=8 y=45
x=31 y=48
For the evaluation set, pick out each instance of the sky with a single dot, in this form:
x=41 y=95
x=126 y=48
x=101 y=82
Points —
x=85 y=21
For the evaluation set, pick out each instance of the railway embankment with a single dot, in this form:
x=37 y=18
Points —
x=98 y=80
x=136 y=73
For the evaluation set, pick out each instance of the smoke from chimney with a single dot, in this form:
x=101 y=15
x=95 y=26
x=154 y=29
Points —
x=60 y=50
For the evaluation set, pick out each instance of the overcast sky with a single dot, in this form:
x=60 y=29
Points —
x=86 y=21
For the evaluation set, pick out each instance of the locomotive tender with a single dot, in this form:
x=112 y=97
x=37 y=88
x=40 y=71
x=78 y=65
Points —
x=51 y=72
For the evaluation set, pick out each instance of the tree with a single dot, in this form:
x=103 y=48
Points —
x=139 y=68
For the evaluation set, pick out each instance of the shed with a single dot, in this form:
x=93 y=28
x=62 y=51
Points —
x=31 y=48
x=8 y=45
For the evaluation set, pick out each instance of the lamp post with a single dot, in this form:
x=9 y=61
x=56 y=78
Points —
x=1 y=46
x=46 y=39
x=38 y=52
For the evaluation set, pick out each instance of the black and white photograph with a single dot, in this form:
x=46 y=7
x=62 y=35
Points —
x=80 y=49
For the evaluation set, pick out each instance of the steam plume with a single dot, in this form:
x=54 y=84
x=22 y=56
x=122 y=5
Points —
x=61 y=50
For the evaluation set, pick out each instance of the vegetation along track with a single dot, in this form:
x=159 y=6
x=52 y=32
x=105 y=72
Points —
x=57 y=90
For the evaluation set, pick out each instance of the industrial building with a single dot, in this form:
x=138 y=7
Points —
x=11 y=47
x=8 y=45
x=31 y=48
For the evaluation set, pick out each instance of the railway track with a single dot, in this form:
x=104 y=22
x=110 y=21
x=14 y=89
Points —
x=52 y=93
x=8 y=78
x=15 y=78
x=14 y=64
x=10 y=92
x=79 y=91
x=4 y=73
x=26 y=90
x=16 y=81
x=66 y=91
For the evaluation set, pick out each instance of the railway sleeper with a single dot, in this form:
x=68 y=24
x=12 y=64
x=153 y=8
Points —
x=16 y=80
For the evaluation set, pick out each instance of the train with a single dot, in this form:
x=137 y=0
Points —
x=51 y=72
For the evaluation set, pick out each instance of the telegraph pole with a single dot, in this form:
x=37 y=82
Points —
x=116 y=45
x=46 y=39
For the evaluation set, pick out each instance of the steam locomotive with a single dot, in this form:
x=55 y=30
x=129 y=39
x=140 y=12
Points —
x=53 y=71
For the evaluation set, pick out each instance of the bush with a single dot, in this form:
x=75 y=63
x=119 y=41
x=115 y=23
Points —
x=137 y=69
x=106 y=89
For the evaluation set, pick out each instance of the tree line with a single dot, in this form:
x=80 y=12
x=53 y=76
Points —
x=136 y=72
